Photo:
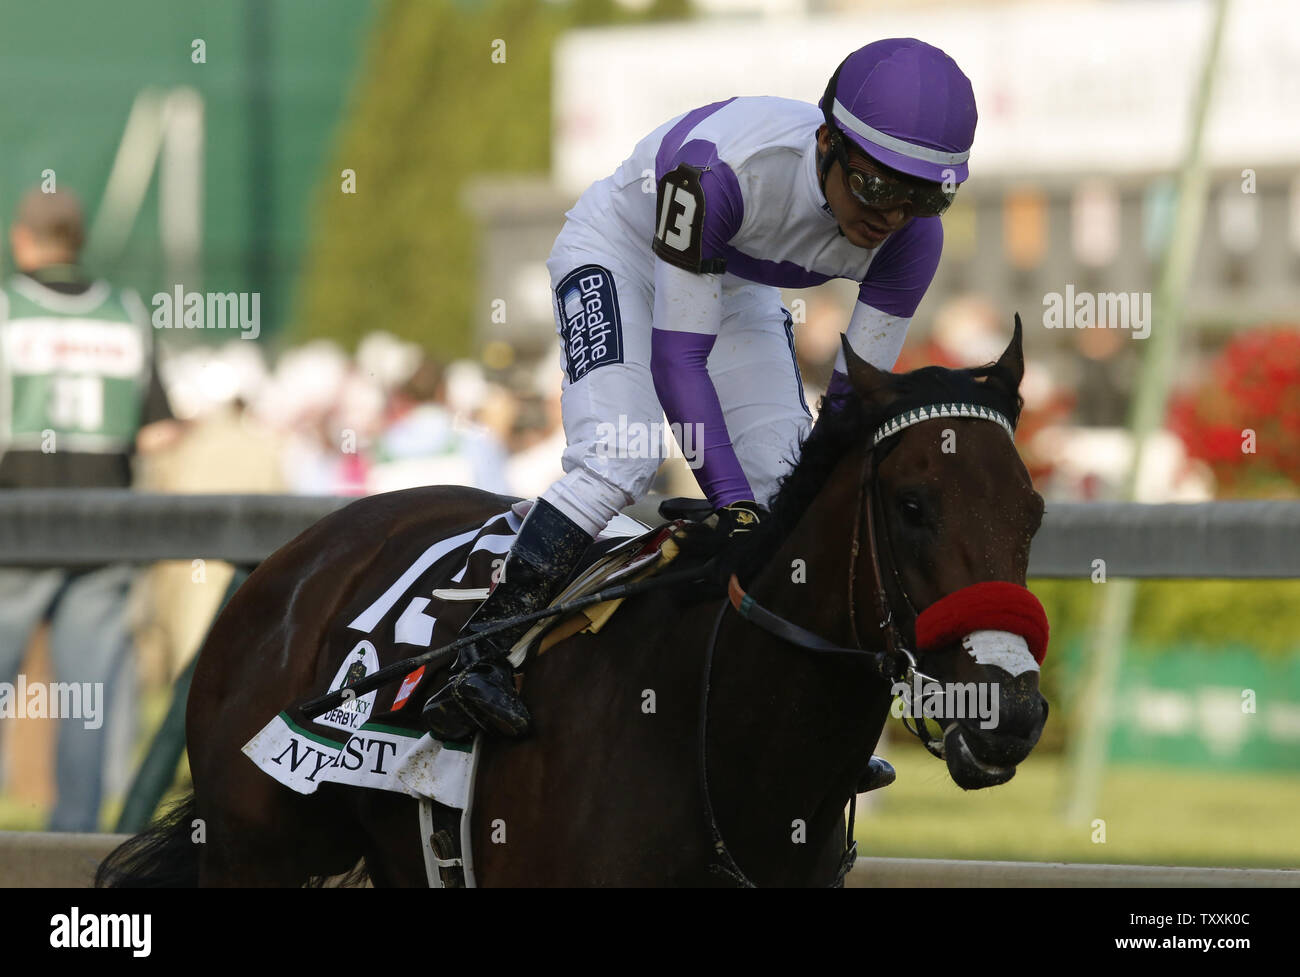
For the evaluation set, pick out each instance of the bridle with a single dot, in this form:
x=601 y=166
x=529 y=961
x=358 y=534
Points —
x=895 y=647
x=895 y=663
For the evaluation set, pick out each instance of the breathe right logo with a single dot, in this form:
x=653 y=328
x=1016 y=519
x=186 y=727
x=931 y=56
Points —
x=590 y=325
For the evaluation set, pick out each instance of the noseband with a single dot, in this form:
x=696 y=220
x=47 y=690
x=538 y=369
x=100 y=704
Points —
x=895 y=663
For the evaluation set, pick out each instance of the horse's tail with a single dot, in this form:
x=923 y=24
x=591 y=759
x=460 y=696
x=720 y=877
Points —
x=163 y=856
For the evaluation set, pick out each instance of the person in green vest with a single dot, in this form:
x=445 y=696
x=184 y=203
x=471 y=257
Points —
x=79 y=394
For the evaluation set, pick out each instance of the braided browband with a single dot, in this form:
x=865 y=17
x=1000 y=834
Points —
x=919 y=414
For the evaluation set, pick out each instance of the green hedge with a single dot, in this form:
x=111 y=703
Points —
x=1263 y=615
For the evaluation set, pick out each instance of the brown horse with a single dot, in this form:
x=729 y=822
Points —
x=608 y=791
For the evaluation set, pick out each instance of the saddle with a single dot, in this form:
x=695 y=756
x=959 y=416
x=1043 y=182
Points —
x=634 y=559
x=428 y=603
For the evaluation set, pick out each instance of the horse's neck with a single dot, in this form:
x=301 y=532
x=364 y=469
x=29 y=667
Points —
x=789 y=729
x=808 y=578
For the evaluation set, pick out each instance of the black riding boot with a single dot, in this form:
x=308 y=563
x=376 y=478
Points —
x=481 y=693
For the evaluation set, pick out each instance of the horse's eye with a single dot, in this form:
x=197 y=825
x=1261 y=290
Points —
x=911 y=509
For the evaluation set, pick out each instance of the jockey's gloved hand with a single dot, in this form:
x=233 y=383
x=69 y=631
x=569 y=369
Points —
x=739 y=517
x=733 y=539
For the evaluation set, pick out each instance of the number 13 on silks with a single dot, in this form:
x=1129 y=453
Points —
x=681 y=222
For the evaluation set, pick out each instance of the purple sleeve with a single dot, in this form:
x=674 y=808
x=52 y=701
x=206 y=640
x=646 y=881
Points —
x=724 y=207
x=900 y=274
x=837 y=390
x=679 y=366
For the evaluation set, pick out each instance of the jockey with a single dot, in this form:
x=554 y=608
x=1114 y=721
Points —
x=668 y=304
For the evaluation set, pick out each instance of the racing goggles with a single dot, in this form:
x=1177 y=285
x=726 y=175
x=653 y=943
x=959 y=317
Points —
x=880 y=192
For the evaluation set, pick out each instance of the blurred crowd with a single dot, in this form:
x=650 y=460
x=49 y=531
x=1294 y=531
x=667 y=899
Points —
x=318 y=421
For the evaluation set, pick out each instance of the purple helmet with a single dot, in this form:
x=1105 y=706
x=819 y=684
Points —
x=906 y=104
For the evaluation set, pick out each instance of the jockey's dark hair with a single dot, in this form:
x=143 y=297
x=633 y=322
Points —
x=847 y=423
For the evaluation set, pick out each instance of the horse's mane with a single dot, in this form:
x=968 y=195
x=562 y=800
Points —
x=850 y=420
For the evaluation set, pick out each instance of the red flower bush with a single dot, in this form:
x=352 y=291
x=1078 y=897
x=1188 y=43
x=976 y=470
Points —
x=1254 y=385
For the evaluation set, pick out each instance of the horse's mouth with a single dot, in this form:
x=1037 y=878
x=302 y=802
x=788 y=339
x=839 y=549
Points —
x=968 y=771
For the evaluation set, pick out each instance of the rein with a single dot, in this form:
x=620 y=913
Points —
x=895 y=663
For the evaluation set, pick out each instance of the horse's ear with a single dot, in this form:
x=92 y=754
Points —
x=1011 y=364
x=871 y=384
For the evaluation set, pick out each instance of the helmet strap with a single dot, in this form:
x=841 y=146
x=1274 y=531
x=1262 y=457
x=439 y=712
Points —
x=825 y=161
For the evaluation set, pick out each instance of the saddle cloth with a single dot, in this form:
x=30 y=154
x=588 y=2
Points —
x=374 y=739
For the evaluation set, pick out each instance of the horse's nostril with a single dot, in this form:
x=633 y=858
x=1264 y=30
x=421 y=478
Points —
x=1020 y=706
x=1009 y=735
x=996 y=746
x=1025 y=721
